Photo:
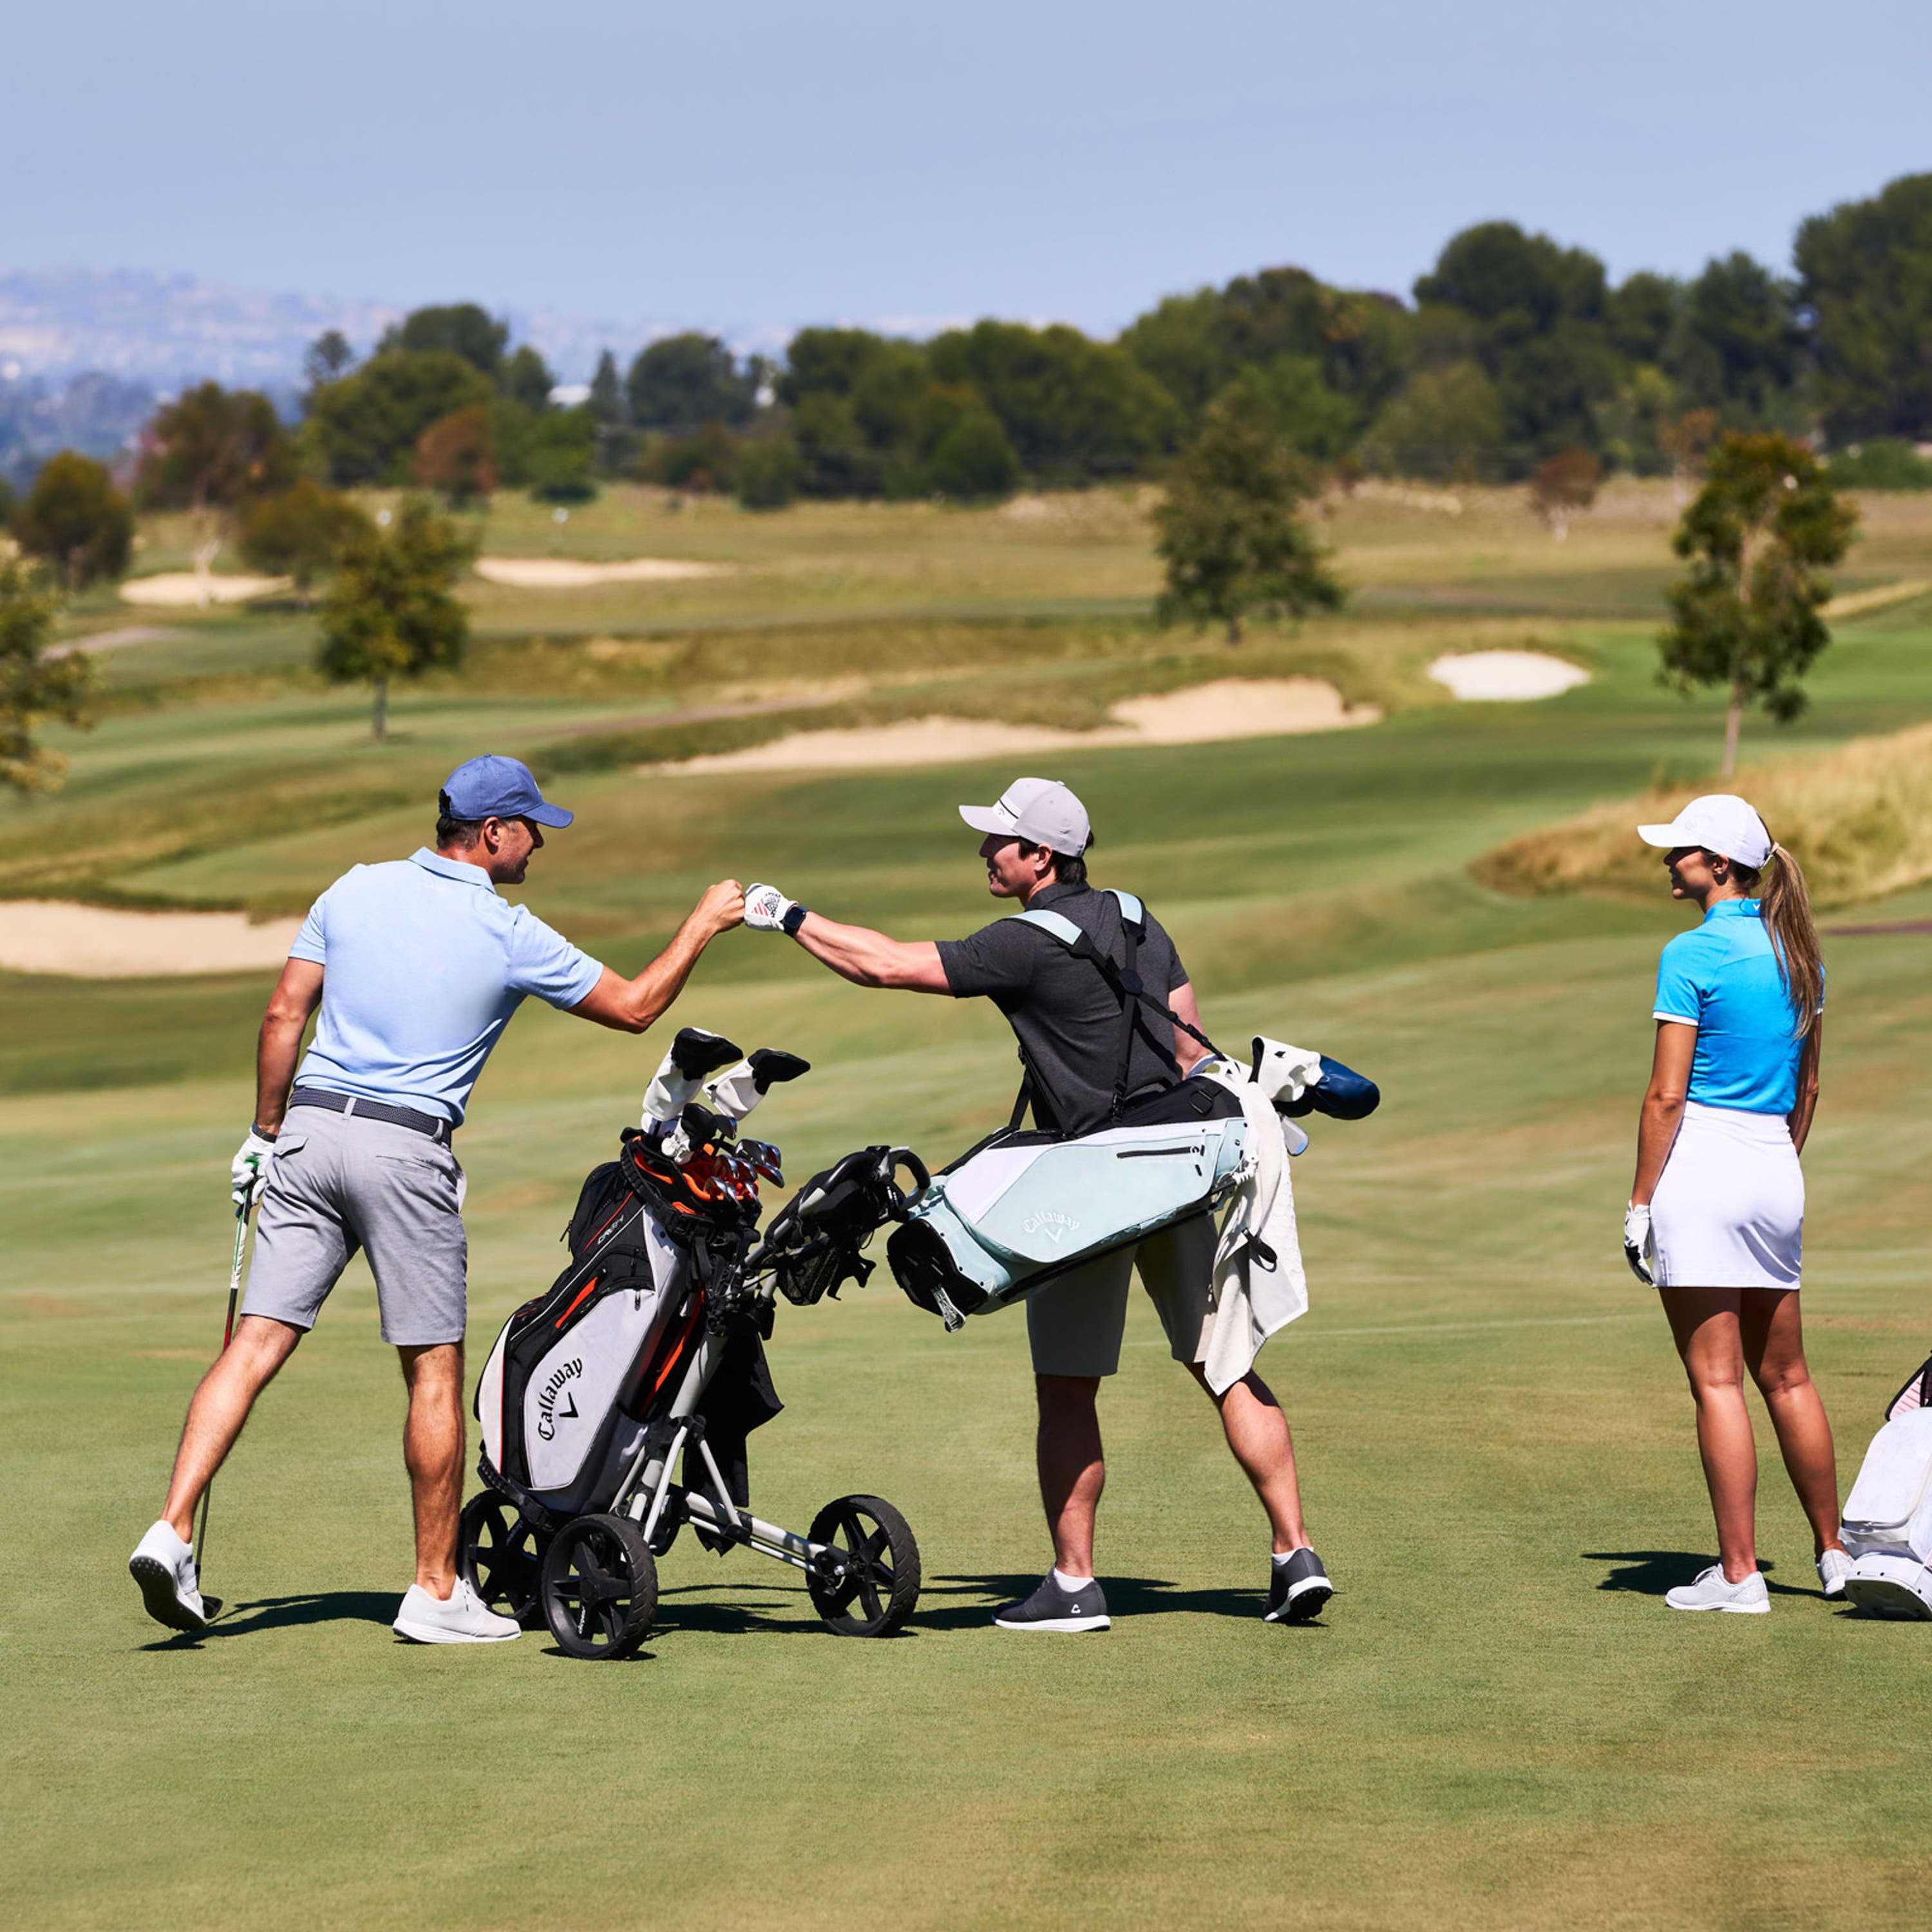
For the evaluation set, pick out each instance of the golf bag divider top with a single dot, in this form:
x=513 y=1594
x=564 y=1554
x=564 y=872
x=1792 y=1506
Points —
x=1887 y=1529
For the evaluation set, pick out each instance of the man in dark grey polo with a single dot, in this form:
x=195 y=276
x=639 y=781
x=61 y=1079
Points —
x=1068 y=1023
x=417 y=965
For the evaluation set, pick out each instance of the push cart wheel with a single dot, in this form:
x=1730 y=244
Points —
x=600 y=1586
x=867 y=1584
x=501 y=1556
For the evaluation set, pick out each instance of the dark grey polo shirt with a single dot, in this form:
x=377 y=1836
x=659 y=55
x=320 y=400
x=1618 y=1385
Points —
x=1067 y=1020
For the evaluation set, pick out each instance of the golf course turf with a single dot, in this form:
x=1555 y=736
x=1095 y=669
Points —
x=1496 y=1721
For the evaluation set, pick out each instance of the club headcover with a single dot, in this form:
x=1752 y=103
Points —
x=739 y=1089
x=693 y=1057
x=1283 y=1073
x=770 y=1065
x=1338 y=1091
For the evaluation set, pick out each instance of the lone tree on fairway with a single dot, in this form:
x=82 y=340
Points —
x=1228 y=530
x=1563 y=484
x=32 y=686
x=76 y=519
x=390 y=613
x=1763 y=526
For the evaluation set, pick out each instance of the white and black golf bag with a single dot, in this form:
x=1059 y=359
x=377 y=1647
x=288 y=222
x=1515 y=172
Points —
x=1887 y=1529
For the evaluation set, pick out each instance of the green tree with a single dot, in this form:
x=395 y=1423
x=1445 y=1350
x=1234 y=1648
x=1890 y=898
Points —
x=1764 y=525
x=33 y=685
x=75 y=518
x=364 y=428
x=973 y=456
x=213 y=448
x=526 y=378
x=770 y=471
x=327 y=358
x=606 y=402
x=562 y=453
x=390 y=611
x=1643 y=313
x=684 y=380
x=1227 y=529
x=1075 y=408
x=1864 y=273
x=1447 y=424
x=454 y=328
x=300 y=532
x=1738 y=345
x=1290 y=395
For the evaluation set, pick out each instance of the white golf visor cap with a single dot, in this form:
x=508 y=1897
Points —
x=1719 y=822
x=1041 y=811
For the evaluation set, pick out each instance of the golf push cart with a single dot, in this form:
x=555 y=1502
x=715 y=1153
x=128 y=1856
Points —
x=648 y=1348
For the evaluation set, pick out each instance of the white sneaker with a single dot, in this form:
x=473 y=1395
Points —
x=1711 y=1592
x=1834 y=1566
x=460 y=1619
x=164 y=1566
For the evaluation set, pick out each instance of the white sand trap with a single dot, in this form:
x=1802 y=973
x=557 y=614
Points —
x=565 y=573
x=99 y=943
x=1205 y=714
x=176 y=587
x=1493 y=677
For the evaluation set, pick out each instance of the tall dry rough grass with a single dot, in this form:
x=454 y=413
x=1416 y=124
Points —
x=1858 y=821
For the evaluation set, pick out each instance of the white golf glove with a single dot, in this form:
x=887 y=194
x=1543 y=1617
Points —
x=248 y=1172
x=766 y=908
x=1640 y=1250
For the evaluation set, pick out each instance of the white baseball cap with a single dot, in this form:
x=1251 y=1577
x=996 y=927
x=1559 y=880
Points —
x=1719 y=822
x=1041 y=811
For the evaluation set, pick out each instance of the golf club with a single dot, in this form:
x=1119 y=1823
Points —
x=214 y=1603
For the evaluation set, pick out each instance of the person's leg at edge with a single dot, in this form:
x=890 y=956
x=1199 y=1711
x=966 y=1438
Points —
x=1773 y=1338
x=1257 y=1433
x=1072 y=1471
x=256 y=1351
x=433 y=1452
x=1704 y=1323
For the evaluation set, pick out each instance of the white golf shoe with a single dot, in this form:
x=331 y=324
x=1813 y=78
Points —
x=164 y=1566
x=1834 y=1566
x=460 y=1618
x=1711 y=1592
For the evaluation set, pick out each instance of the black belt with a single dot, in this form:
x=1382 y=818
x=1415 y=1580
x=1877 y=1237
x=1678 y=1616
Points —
x=371 y=1110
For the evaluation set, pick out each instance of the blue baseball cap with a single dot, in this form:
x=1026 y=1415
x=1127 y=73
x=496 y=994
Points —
x=491 y=786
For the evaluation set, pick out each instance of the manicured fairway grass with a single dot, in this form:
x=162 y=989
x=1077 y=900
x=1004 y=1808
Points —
x=1497 y=1721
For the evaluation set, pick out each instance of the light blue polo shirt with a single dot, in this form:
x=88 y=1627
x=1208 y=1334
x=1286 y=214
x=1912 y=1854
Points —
x=423 y=965
x=1724 y=978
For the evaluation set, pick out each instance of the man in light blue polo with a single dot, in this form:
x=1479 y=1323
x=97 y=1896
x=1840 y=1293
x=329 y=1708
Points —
x=417 y=965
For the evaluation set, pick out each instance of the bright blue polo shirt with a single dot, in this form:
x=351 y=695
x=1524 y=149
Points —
x=423 y=965
x=1724 y=978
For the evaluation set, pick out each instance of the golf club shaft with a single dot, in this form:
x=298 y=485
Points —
x=227 y=1336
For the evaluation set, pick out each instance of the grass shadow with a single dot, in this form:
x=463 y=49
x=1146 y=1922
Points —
x=315 y=1607
x=1127 y=1596
x=1652 y=1572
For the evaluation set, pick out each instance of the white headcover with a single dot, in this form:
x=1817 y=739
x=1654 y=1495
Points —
x=734 y=1091
x=670 y=1092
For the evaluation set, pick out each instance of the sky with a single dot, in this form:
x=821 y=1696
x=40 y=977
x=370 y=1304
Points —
x=760 y=164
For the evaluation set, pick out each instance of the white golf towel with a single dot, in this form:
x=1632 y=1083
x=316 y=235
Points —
x=1254 y=1296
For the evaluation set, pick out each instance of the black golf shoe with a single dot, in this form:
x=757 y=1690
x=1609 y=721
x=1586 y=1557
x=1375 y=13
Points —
x=1297 y=1589
x=1054 y=1607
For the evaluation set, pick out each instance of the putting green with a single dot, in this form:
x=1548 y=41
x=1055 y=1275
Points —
x=1497 y=1720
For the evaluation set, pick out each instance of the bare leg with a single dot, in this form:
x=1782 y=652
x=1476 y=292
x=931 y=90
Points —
x=1257 y=1432
x=1773 y=1337
x=432 y=1452
x=1072 y=1472
x=1704 y=1322
x=243 y=1369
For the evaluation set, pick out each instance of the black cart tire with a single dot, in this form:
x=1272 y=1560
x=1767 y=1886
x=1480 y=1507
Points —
x=879 y=1585
x=600 y=1587
x=500 y=1554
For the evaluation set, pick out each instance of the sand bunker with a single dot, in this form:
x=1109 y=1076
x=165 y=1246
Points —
x=1206 y=714
x=193 y=586
x=99 y=943
x=565 y=573
x=1494 y=677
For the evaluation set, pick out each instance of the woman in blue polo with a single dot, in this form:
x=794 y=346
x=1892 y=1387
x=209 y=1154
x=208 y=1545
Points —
x=1717 y=1213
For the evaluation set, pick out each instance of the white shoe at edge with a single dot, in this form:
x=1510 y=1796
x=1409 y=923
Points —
x=1711 y=1592
x=462 y=1618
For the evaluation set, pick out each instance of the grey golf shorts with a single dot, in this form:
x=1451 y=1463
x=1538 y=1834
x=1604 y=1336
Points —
x=338 y=1184
x=1075 y=1324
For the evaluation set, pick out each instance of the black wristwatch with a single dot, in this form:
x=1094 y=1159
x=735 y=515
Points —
x=793 y=920
x=260 y=1133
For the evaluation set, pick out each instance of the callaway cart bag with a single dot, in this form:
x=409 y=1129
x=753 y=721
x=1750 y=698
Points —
x=1887 y=1529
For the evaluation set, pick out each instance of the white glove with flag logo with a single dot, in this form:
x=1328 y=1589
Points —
x=248 y=1172
x=766 y=908
x=1639 y=1250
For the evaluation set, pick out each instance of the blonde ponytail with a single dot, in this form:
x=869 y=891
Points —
x=1787 y=918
